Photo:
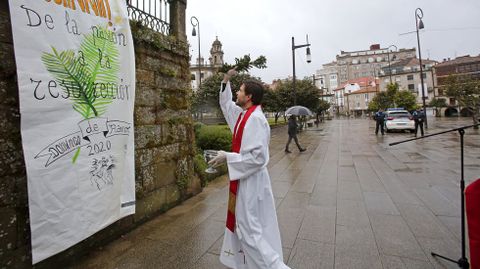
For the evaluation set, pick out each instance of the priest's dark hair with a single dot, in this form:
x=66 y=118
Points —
x=255 y=88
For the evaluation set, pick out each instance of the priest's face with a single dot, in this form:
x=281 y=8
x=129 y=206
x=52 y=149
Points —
x=242 y=98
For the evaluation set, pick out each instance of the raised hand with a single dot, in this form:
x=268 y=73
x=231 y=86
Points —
x=230 y=73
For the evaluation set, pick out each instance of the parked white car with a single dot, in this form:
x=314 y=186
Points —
x=399 y=120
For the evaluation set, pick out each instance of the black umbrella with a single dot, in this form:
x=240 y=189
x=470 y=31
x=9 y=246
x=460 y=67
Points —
x=298 y=111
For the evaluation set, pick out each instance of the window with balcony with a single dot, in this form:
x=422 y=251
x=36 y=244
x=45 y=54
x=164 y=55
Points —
x=410 y=77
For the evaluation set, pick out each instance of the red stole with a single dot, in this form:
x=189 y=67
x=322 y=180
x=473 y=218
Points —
x=236 y=144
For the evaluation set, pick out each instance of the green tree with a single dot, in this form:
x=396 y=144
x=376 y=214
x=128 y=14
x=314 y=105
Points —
x=405 y=99
x=273 y=102
x=307 y=94
x=283 y=96
x=206 y=98
x=393 y=97
x=466 y=91
x=392 y=90
x=437 y=103
x=322 y=106
x=381 y=100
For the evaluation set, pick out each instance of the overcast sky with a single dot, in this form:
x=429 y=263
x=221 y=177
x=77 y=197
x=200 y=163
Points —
x=265 y=27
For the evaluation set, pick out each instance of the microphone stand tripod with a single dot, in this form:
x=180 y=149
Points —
x=463 y=261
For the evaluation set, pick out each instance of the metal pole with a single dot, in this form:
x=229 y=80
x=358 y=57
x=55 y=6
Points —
x=420 y=16
x=293 y=80
x=293 y=64
x=199 y=60
x=389 y=62
x=389 y=68
x=462 y=187
x=199 y=56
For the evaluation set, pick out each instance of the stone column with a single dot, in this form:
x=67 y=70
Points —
x=177 y=19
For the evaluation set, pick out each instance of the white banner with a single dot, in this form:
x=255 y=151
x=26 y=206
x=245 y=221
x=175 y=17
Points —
x=76 y=78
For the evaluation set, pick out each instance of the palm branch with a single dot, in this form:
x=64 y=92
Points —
x=81 y=73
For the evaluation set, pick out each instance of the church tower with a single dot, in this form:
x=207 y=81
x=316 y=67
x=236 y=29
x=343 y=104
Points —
x=216 y=54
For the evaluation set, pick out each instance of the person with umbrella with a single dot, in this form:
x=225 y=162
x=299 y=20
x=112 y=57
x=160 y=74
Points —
x=292 y=134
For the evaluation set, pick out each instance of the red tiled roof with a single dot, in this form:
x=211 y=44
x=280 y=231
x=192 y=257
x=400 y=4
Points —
x=362 y=82
x=365 y=90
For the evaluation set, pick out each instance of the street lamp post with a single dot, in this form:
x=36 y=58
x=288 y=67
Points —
x=194 y=33
x=388 y=57
x=309 y=59
x=419 y=25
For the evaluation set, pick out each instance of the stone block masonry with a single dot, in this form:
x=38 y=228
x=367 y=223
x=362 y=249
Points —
x=164 y=173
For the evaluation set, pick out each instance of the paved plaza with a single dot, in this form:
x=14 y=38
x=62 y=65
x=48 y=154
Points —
x=349 y=201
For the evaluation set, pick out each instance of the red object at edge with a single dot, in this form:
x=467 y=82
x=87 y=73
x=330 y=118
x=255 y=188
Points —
x=472 y=200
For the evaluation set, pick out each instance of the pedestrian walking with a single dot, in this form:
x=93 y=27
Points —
x=419 y=118
x=292 y=134
x=252 y=237
x=380 y=121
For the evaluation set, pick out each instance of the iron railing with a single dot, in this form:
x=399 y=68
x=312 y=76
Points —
x=154 y=14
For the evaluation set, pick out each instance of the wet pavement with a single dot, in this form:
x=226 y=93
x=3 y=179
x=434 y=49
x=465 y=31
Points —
x=349 y=201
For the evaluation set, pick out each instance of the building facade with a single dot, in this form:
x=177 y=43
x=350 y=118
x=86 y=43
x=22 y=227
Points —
x=406 y=73
x=357 y=101
x=326 y=79
x=204 y=70
x=460 y=66
x=353 y=66
x=366 y=63
x=341 y=94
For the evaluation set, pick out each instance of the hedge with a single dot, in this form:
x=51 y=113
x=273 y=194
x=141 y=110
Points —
x=216 y=137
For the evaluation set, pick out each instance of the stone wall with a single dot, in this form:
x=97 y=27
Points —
x=163 y=141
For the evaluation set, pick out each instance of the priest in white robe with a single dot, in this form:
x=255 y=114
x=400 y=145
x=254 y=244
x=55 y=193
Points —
x=252 y=237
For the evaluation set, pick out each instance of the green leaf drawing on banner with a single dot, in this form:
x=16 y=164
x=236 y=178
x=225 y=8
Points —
x=75 y=156
x=87 y=75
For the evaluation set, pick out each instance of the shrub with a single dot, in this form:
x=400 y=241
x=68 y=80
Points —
x=214 y=137
x=200 y=165
x=196 y=128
